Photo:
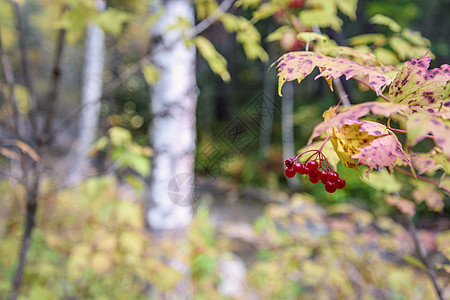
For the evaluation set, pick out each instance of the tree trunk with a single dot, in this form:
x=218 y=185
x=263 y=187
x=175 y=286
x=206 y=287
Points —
x=172 y=137
x=172 y=132
x=287 y=126
x=90 y=98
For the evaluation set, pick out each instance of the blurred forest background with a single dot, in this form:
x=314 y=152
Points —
x=98 y=194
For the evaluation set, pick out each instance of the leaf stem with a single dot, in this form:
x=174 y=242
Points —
x=405 y=132
x=433 y=182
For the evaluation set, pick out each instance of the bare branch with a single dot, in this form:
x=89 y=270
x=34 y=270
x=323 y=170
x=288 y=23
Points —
x=54 y=85
x=421 y=253
x=423 y=178
x=9 y=76
x=25 y=67
x=211 y=19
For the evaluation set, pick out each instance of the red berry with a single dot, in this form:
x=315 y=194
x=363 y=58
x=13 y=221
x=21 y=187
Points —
x=340 y=183
x=333 y=176
x=313 y=165
x=299 y=168
x=314 y=173
x=289 y=162
x=289 y=172
x=313 y=179
x=296 y=4
x=323 y=176
x=330 y=187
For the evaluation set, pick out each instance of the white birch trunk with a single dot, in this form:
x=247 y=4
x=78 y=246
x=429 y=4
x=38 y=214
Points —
x=173 y=129
x=90 y=99
x=287 y=126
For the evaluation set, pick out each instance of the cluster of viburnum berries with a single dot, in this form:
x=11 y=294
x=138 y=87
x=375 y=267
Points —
x=317 y=169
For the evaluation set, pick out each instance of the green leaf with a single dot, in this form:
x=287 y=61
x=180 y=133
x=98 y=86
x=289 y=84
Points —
x=415 y=37
x=384 y=20
x=383 y=181
x=401 y=46
x=216 y=61
x=278 y=33
x=385 y=56
x=311 y=36
x=377 y=39
x=119 y=136
x=348 y=7
x=321 y=18
x=414 y=261
x=112 y=20
x=150 y=72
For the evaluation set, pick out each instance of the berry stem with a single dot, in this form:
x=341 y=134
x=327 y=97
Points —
x=303 y=153
x=324 y=142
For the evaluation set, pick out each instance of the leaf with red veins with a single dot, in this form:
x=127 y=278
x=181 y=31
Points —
x=354 y=113
x=298 y=65
x=415 y=85
x=419 y=125
x=385 y=151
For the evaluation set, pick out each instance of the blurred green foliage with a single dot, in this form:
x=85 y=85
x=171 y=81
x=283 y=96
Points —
x=91 y=243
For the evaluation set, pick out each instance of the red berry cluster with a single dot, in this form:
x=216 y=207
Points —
x=317 y=169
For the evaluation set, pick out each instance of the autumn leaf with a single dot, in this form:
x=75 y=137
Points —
x=419 y=125
x=298 y=65
x=354 y=113
x=415 y=85
x=384 y=151
x=430 y=162
x=371 y=143
x=428 y=193
x=405 y=206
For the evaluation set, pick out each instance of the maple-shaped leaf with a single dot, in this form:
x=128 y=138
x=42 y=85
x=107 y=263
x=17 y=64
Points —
x=298 y=65
x=419 y=125
x=354 y=113
x=385 y=151
x=415 y=85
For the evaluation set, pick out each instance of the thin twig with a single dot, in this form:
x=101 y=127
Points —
x=210 y=19
x=111 y=86
x=405 y=131
x=343 y=96
x=421 y=253
x=423 y=178
x=25 y=68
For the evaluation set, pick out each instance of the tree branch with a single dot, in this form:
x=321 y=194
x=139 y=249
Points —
x=9 y=76
x=211 y=19
x=420 y=251
x=433 y=182
x=54 y=86
x=111 y=86
x=25 y=67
